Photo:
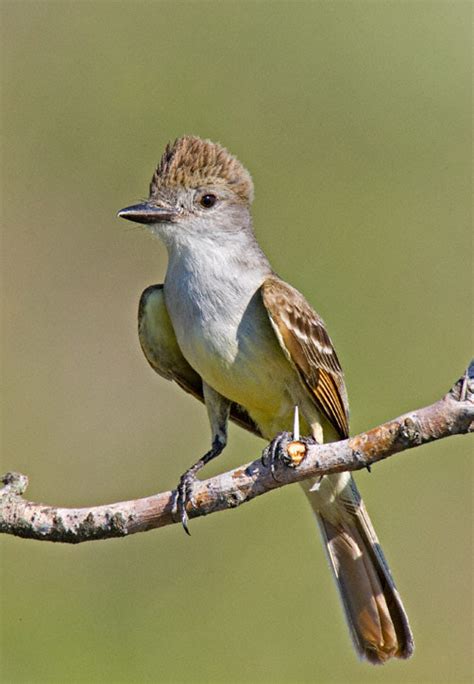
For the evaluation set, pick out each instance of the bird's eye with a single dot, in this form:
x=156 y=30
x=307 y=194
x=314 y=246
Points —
x=207 y=201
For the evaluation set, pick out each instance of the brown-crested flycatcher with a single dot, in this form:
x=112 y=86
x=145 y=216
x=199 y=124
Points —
x=228 y=330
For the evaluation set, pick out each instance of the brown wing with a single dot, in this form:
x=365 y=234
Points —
x=161 y=349
x=305 y=341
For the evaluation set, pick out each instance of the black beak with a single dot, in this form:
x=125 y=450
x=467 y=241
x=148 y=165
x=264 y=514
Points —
x=148 y=213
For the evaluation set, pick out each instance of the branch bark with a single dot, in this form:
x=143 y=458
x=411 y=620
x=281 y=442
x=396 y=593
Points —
x=451 y=415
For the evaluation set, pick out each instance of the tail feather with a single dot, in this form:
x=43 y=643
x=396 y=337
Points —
x=374 y=611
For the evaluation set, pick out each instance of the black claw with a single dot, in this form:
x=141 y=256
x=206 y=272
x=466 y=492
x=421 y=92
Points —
x=184 y=515
x=184 y=522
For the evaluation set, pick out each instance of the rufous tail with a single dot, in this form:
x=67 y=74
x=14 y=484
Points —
x=374 y=611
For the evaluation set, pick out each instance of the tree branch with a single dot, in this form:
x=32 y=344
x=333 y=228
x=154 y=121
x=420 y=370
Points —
x=452 y=415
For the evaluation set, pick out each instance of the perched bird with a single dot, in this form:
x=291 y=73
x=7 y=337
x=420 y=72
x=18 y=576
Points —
x=228 y=330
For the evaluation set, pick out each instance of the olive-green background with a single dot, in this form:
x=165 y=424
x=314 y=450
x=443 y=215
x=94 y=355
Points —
x=354 y=119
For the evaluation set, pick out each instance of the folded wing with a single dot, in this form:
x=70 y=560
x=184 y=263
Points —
x=161 y=349
x=306 y=343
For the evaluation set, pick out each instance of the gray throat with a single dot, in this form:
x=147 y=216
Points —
x=214 y=273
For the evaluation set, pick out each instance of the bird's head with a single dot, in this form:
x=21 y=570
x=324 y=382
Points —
x=198 y=189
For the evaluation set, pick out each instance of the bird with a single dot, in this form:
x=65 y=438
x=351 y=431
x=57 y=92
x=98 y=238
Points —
x=229 y=331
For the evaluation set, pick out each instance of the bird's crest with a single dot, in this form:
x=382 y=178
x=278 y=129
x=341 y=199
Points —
x=192 y=163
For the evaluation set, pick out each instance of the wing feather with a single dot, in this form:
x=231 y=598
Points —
x=305 y=341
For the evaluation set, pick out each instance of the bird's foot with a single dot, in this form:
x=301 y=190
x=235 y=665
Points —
x=183 y=497
x=286 y=450
x=184 y=491
x=277 y=451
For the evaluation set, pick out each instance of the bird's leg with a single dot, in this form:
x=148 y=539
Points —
x=218 y=409
x=184 y=491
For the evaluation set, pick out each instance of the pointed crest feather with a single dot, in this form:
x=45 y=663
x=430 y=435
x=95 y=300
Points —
x=192 y=162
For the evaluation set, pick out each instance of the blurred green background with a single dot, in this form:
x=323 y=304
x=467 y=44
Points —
x=354 y=119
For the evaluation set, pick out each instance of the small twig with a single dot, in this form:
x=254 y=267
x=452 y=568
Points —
x=452 y=415
x=296 y=425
